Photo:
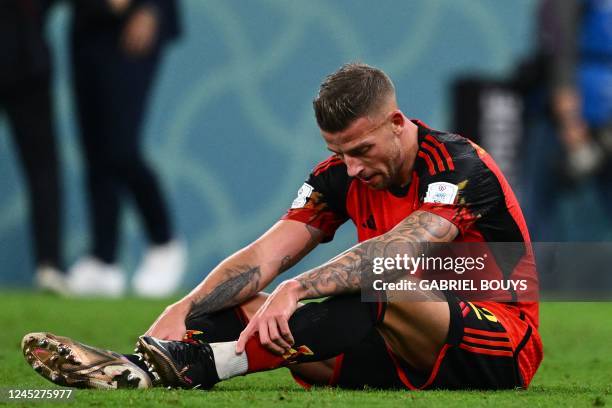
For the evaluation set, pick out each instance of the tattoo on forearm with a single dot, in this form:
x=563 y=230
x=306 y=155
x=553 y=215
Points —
x=346 y=272
x=315 y=237
x=242 y=282
x=286 y=263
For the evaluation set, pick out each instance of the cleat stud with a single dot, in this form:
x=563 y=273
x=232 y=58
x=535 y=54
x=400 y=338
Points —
x=131 y=377
x=43 y=342
x=54 y=358
x=54 y=377
x=62 y=350
x=37 y=366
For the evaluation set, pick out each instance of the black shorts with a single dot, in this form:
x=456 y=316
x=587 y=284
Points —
x=477 y=355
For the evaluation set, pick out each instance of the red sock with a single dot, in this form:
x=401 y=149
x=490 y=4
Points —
x=259 y=358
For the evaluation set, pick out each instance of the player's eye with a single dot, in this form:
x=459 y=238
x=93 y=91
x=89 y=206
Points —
x=361 y=151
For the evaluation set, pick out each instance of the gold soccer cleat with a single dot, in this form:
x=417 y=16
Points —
x=72 y=364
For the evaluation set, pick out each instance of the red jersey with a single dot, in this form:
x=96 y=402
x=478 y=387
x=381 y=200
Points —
x=452 y=177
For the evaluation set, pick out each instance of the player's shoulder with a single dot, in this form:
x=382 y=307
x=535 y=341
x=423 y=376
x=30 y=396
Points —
x=444 y=152
x=330 y=180
x=331 y=173
x=449 y=165
x=331 y=165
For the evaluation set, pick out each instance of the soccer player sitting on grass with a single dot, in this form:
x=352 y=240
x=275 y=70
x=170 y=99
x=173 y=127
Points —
x=405 y=187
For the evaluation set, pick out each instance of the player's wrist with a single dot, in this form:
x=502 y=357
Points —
x=293 y=288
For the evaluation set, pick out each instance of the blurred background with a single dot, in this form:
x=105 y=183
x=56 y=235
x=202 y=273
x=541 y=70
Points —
x=230 y=131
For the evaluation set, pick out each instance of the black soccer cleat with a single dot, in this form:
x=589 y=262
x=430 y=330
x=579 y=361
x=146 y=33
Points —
x=179 y=364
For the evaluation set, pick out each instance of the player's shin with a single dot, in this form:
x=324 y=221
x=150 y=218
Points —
x=320 y=330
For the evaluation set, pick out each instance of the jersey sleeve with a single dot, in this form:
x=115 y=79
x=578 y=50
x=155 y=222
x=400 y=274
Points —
x=463 y=195
x=321 y=200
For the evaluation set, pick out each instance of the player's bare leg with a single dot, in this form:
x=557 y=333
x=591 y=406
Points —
x=416 y=331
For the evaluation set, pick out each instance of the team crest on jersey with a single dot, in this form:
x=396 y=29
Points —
x=441 y=193
x=302 y=196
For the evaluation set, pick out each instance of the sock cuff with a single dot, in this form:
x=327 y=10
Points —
x=227 y=362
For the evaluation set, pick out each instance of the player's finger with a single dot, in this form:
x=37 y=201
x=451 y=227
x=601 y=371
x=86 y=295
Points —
x=264 y=338
x=285 y=332
x=276 y=337
x=244 y=337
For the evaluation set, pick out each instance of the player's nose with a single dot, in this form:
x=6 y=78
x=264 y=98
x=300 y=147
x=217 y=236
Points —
x=353 y=166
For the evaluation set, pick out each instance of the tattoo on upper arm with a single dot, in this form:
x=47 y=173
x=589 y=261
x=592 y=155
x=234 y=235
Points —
x=242 y=282
x=346 y=272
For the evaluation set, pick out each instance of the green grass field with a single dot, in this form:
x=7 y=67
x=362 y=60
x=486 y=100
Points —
x=577 y=368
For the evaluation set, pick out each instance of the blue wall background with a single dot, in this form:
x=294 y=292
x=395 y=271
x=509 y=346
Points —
x=230 y=126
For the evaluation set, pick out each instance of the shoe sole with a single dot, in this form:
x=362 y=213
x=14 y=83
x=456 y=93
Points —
x=60 y=354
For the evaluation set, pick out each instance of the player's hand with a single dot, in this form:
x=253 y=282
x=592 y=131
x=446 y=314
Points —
x=140 y=32
x=272 y=320
x=170 y=325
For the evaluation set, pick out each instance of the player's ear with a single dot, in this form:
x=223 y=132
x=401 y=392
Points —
x=398 y=121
